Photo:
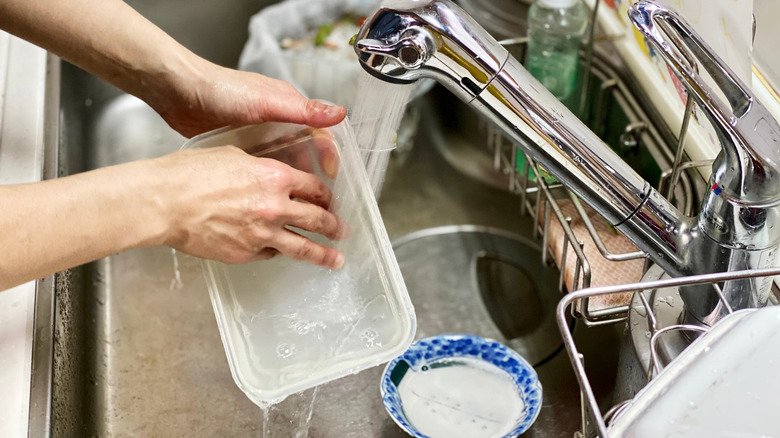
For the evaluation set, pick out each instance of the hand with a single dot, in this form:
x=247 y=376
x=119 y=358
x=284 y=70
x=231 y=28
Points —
x=219 y=96
x=236 y=208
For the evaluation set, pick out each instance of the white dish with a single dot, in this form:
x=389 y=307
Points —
x=461 y=386
x=723 y=384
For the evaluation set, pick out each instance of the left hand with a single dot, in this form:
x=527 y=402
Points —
x=219 y=96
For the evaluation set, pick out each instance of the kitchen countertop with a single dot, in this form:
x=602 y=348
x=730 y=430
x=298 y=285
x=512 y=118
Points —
x=23 y=69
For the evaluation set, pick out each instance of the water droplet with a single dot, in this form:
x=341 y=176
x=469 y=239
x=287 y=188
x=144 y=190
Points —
x=369 y=336
x=284 y=350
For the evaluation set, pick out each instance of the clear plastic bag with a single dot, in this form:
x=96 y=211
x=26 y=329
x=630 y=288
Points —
x=315 y=76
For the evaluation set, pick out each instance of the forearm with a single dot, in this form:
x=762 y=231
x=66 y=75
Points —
x=49 y=226
x=107 y=38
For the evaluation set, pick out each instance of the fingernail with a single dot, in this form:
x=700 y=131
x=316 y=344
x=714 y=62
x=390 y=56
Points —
x=333 y=111
x=331 y=166
x=339 y=262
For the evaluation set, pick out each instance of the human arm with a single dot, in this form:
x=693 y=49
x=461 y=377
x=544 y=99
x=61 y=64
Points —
x=218 y=203
x=49 y=226
x=113 y=41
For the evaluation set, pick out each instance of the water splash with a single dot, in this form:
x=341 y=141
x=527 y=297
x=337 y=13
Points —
x=266 y=421
x=176 y=283
x=303 y=424
x=371 y=338
x=290 y=417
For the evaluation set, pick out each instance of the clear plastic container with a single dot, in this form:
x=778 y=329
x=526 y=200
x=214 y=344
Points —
x=287 y=325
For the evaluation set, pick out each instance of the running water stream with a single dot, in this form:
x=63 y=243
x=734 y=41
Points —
x=176 y=283
x=291 y=417
x=375 y=116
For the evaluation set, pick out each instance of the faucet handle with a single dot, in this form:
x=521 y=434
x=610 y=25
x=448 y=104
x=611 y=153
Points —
x=681 y=46
x=410 y=51
x=749 y=135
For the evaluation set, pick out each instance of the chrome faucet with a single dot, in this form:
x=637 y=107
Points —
x=406 y=40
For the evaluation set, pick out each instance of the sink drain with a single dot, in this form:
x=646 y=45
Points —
x=482 y=281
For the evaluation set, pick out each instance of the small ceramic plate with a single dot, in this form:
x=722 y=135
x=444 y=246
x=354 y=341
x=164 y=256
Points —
x=461 y=386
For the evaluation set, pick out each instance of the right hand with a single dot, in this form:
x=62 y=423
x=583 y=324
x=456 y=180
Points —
x=227 y=205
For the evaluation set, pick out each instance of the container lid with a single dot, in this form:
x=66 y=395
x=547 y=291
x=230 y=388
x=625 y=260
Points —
x=287 y=325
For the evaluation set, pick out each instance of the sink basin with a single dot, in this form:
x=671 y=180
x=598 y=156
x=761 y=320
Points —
x=135 y=345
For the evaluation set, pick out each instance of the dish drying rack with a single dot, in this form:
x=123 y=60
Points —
x=540 y=199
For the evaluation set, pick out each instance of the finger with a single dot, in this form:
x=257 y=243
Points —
x=295 y=246
x=313 y=218
x=325 y=144
x=322 y=115
x=310 y=188
x=275 y=145
x=288 y=105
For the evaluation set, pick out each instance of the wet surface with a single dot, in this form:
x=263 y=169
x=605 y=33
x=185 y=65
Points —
x=137 y=347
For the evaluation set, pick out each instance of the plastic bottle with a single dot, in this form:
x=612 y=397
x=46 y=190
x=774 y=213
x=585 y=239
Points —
x=555 y=31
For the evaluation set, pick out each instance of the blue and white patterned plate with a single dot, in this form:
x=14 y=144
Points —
x=439 y=351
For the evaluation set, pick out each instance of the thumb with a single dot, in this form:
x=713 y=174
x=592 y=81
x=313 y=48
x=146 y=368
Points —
x=288 y=105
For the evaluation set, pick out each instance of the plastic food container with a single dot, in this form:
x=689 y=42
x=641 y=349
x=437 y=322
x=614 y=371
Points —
x=287 y=325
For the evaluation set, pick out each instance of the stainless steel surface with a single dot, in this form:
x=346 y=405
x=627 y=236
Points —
x=740 y=212
x=666 y=310
x=732 y=232
x=487 y=282
x=42 y=355
x=136 y=346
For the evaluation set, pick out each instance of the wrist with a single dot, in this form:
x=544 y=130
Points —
x=171 y=83
x=145 y=207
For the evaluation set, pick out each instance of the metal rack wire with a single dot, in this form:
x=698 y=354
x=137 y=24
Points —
x=590 y=405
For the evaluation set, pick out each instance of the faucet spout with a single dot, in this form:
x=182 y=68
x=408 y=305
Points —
x=406 y=40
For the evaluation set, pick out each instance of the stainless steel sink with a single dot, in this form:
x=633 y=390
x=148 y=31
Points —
x=133 y=343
